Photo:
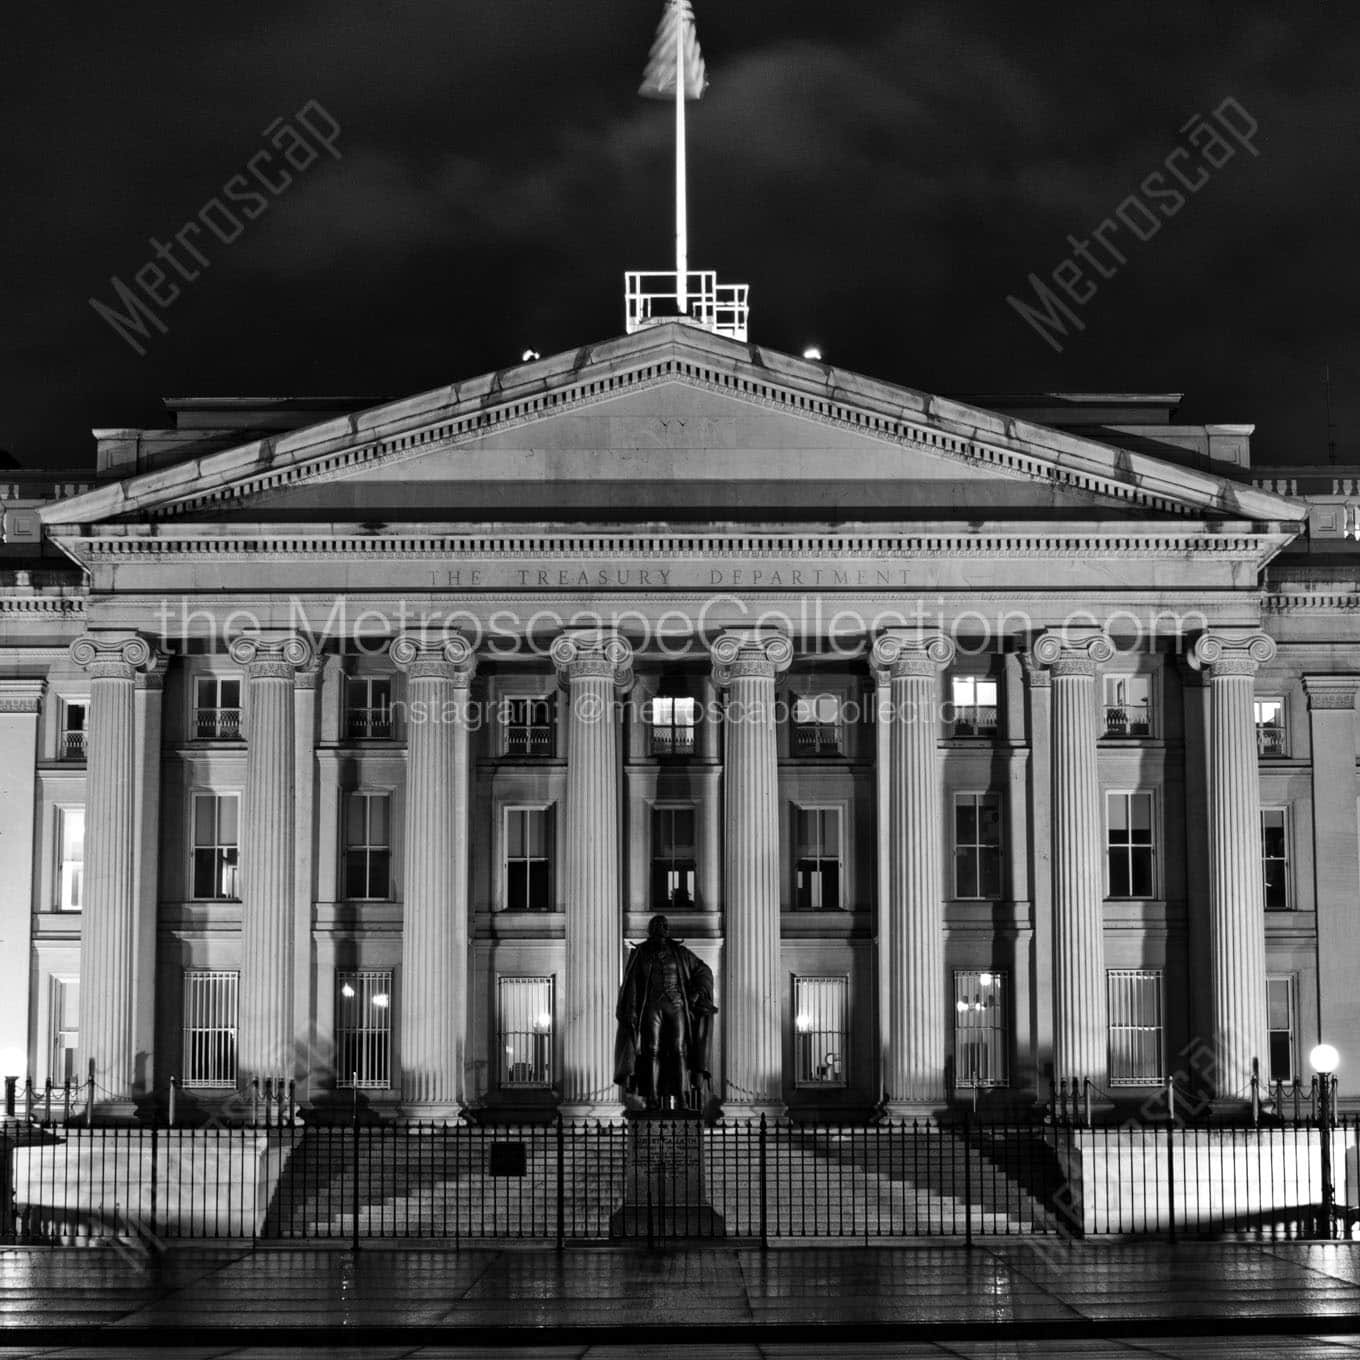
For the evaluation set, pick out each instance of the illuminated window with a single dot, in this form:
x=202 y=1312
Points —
x=821 y=1030
x=210 y=1000
x=529 y=728
x=525 y=1028
x=977 y=845
x=216 y=862
x=816 y=725
x=368 y=846
x=673 y=723
x=70 y=859
x=817 y=868
x=1130 y=844
x=1270 y=729
x=368 y=708
x=981 y=1046
x=1275 y=858
x=528 y=859
x=673 y=859
x=363 y=1029
x=1136 y=1034
x=1128 y=705
x=217 y=708
x=974 y=706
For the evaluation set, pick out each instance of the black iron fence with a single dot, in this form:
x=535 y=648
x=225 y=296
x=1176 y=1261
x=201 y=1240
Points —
x=671 y=1179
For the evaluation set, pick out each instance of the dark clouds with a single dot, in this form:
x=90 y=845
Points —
x=883 y=175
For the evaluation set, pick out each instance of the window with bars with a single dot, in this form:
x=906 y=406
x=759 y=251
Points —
x=1130 y=845
x=974 y=704
x=72 y=740
x=821 y=1030
x=216 y=865
x=1128 y=705
x=1270 y=728
x=1275 y=858
x=817 y=866
x=981 y=1032
x=1280 y=1009
x=674 y=721
x=528 y=859
x=816 y=725
x=65 y=1029
x=210 y=1014
x=217 y=708
x=368 y=708
x=1137 y=1039
x=70 y=858
x=673 y=859
x=529 y=727
x=368 y=846
x=363 y=1029
x=977 y=845
x=525 y=1028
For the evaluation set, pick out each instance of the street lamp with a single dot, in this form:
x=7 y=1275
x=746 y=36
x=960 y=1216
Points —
x=1324 y=1059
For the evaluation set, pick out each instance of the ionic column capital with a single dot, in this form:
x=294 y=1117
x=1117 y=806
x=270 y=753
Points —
x=899 y=652
x=583 y=653
x=1232 y=651
x=113 y=657
x=276 y=658
x=1072 y=651
x=757 y=652
x=1331 y=691
x=442 y=656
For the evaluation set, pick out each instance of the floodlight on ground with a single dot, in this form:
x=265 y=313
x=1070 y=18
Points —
x=1324 y=1059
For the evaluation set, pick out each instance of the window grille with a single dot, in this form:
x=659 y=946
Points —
x=673 y=723
x=1270 y=727
x=1128 y=705
x=529 y=727
x=525 y=1028
x=210 y=1014
x=821 y=1032
x=217 y=708
x=974 y=706
x=816 y=725
x=72 y=742
x=368 y=708
x=1136 y=1033
x=363 y=1029
x=981 y=1034
x=216 y=858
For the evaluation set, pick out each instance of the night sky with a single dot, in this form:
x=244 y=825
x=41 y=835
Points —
x=883 y=175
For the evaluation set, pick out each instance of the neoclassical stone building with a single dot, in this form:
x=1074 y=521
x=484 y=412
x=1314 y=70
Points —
x=976 y=744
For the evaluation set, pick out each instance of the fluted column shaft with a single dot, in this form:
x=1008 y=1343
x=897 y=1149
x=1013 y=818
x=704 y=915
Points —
x=265 y=1025
x=746 y=665
x=1237 y=946
x=594 y=666
x=434 y=941
x=1080 y=998
x=108 y=920
x=914 y=905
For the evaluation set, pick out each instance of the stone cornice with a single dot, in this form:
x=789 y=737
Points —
x=21 y=696
x=1331 y=691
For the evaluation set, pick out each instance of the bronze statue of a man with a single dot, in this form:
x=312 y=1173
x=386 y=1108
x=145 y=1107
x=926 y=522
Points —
x=665 y=1013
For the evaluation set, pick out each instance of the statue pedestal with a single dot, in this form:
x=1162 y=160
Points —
x=663 y=1179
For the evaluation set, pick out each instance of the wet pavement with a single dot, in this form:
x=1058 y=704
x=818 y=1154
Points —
x=1032 y=1299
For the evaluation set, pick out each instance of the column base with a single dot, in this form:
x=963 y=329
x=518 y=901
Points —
x=906 y=1111
x=420 y=1112
x=749 y=1112
x=592 y=1112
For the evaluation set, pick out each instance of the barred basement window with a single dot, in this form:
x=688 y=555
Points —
x=368 y=708
x=70 y=859
x=528 y=859
x=1270 y=728
x=1130 y=844
x=368 y=847
x=217 y=708
x=1275 y=858
x=65 y=1029
x=821 y=1030
x=974 y=705
x=816 y=725
x=363 y=1029
x=1136 y=1033
x=525 y=1027
x=981 y=1033
x=210 y=1000
x=977 y=845
x=817 y=871
x=1281 y=1027
x=673 y=859
x=529 y=729
x=216 y=862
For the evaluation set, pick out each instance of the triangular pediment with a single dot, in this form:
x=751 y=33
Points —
x=672 y=423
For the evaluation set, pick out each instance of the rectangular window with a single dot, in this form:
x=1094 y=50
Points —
x=216 y=862
x=65 y=1030
x=974 y=705
x=1280 y=1010
x=217 y=708
x=210 y=1027
x=673 y=859
x=977 y=845
x=528 y=859
x=981 y=1043
x=75 y=722
x=1136 y=1037
x=529 y=728
x=1275 y=858
x=70 y=859
x=368 y=708
x=816 y=725
x=817 y=869
x=525 y=1025
x=368 y=846
x=1128 y=705
x=673 y=723
x=1270 y=733
x=1130 y=844
x=363 y=1029
x=821 y=1030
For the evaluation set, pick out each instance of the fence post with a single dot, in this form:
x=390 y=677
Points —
x=174 y=1088
x=1086 y=1091
x=354 y=1170
x=89 y=1097
x=561 y=1184
x=7 y=1233
x=154 y=1159
x=1171 y=1177
x=66 y=1102
x=1256 y=1093
x=967 y=1187
x=764 y=1203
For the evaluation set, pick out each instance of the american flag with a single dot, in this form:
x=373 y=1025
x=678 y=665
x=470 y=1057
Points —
x=658 y=82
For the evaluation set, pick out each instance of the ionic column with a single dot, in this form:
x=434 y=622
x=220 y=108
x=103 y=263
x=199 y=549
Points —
x=594 y=666
x=914 y=1048
x=265 y=1025
x=746 y=664
x=108 y=922
x=1237 y=938
x=1080 y=1003
x=434 y=939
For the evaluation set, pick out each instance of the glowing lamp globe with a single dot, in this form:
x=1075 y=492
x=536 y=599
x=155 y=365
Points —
x=1324 y=1059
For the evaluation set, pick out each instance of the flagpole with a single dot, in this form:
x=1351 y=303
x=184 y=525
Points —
x=681 y=189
